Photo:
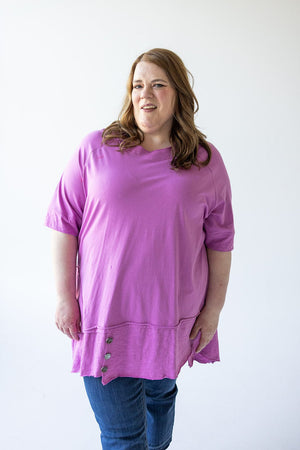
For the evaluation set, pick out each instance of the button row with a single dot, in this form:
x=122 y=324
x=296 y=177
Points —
x=107 y=355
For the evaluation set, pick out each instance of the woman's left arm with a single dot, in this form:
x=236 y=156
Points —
x=207 y=322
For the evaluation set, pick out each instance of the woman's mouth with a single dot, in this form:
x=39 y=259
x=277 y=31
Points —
x=148 y=107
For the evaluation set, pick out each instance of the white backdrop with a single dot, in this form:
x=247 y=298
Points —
x=64 y=66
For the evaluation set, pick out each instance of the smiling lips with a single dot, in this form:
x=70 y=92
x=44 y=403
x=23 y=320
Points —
x=148 y=107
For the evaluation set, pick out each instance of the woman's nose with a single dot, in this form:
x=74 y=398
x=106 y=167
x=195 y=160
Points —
x=146 y=92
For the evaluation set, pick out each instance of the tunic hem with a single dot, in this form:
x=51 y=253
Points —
x=115 y=351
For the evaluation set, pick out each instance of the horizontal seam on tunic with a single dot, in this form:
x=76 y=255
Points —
x=126 y=324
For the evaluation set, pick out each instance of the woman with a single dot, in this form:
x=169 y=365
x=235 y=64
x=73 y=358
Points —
x=145 y=206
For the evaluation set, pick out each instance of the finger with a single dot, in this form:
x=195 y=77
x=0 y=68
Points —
x=66 y=331
x=72 y=331
x=194 y=333
x=62 y=328
x=201 y=346
x=204 y=341
x=74 y=334
x=195 y=330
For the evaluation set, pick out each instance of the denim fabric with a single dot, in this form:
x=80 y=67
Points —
x=133 y=413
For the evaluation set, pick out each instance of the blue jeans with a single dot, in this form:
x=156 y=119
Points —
x=133 y=413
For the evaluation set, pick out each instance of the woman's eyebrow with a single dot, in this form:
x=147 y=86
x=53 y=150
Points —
x=157 y=79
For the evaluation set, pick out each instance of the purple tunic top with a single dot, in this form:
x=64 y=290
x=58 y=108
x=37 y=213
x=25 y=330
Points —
x=142 y=233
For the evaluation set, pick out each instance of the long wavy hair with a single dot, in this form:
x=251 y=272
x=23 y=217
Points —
x=185 y=137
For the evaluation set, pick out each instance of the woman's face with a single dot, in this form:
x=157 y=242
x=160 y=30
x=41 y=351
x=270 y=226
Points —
x=153 y=100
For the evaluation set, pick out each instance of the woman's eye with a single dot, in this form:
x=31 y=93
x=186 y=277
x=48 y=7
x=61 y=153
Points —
x=156 y=85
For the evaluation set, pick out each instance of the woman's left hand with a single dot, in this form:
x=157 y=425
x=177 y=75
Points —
x=207 y=323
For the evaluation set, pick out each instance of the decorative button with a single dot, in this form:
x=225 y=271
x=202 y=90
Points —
x=109 y=340
x=104 y=369
x=107 y=355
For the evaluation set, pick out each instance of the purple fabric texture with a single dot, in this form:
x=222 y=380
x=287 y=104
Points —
x=142 y=233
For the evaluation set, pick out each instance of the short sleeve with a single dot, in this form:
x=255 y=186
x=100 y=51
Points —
x=219 y=224
x=66 y=208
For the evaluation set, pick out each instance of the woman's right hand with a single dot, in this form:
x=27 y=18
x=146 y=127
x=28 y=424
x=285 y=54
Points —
x=67 y=318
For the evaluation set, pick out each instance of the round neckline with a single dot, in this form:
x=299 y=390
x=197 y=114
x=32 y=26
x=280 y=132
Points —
x=158 y=154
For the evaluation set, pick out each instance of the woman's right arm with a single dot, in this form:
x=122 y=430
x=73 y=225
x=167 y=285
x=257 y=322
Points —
x=67 y=316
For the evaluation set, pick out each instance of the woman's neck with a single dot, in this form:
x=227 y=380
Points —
x=151 y=143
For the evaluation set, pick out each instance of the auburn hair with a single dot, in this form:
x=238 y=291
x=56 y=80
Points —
x=185 y=137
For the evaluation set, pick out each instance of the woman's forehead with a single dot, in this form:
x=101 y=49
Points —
x=148 y=70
